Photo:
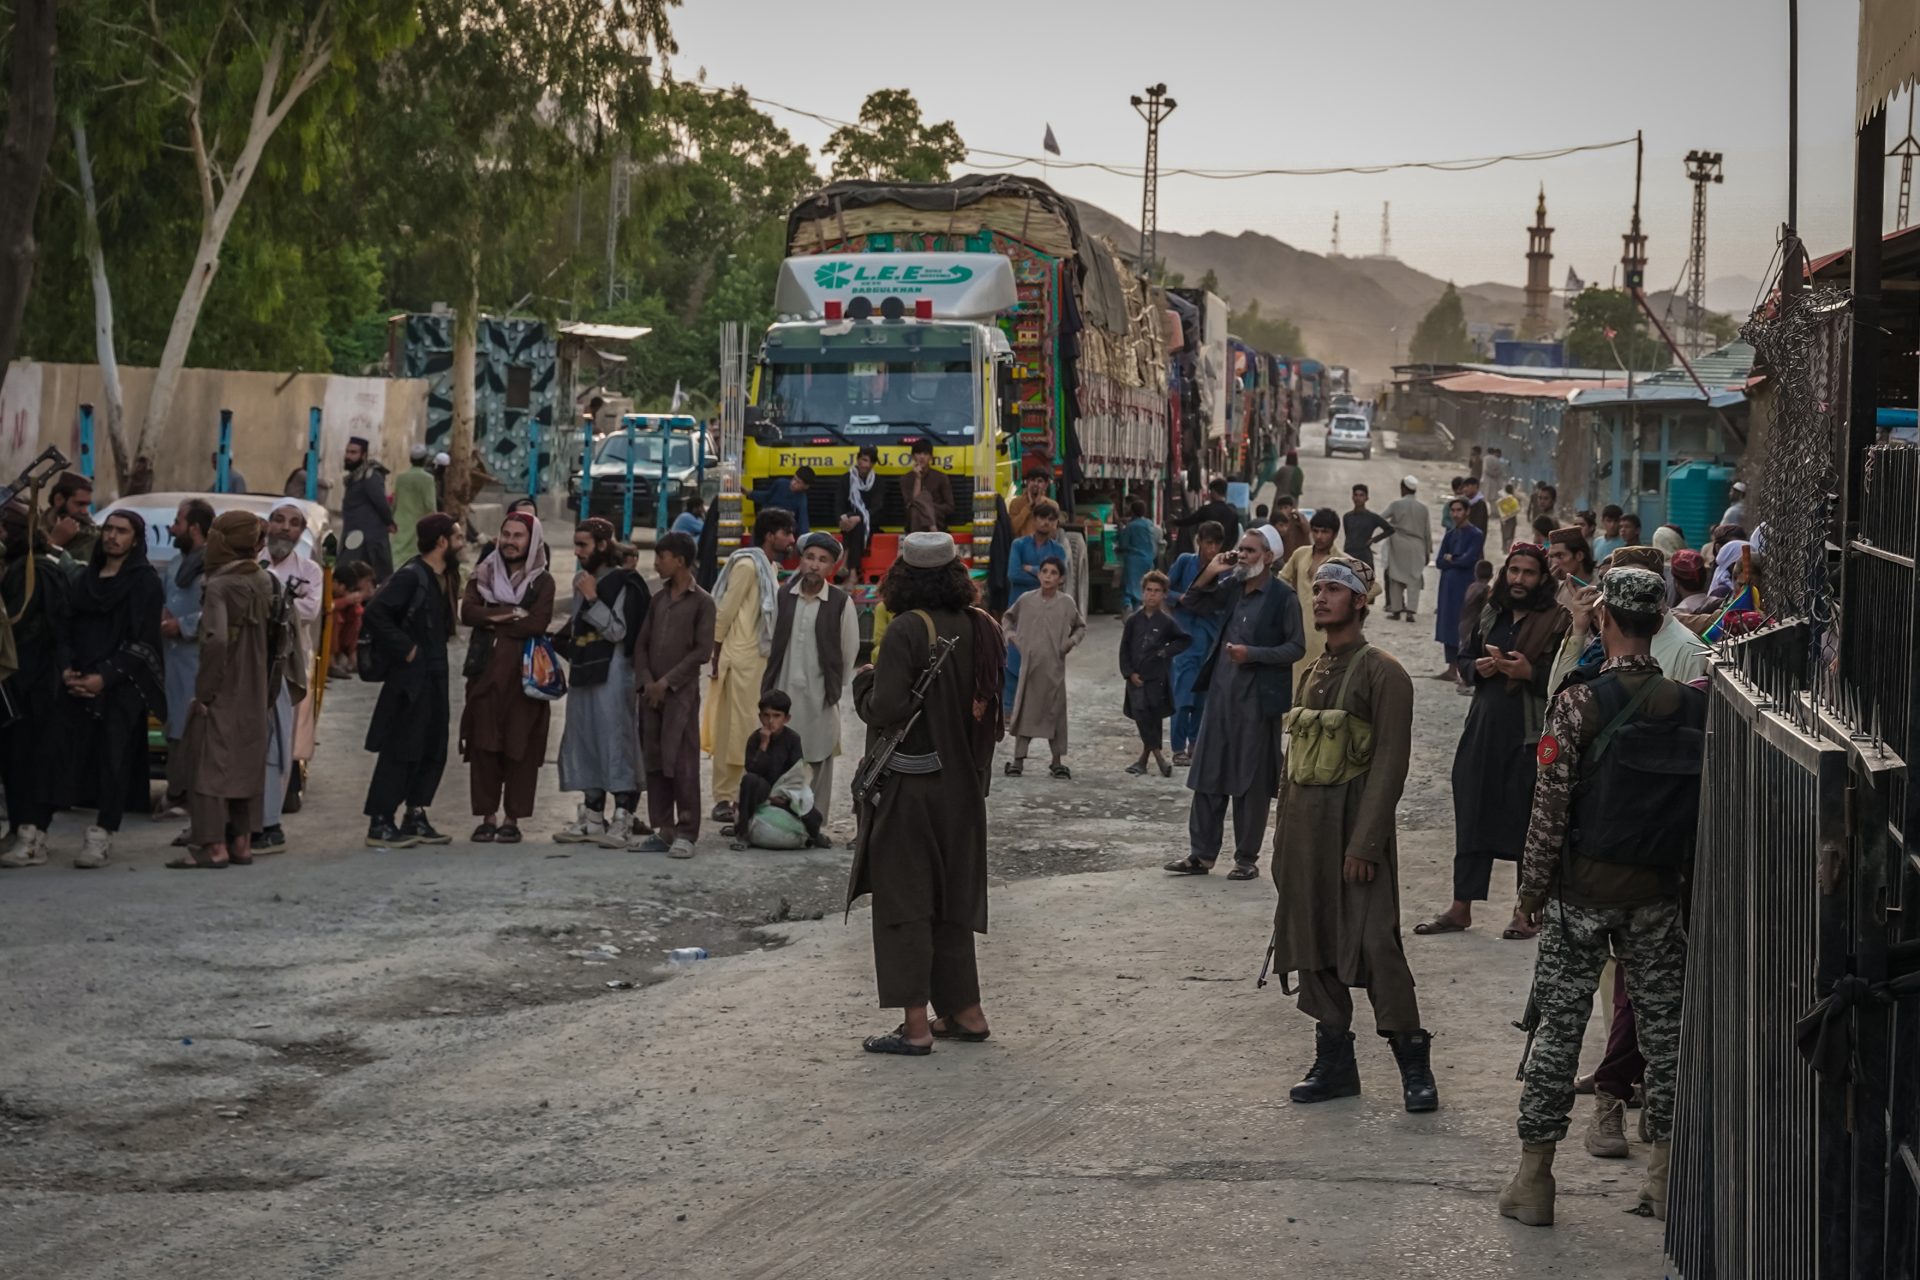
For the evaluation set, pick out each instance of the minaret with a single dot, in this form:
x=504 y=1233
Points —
x=1534 y=324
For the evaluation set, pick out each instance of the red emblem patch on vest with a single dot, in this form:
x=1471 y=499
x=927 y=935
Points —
x=1549 y=748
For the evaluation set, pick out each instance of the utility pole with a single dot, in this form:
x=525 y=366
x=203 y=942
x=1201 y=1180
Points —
x=1633 y=271
x=1386 y=229
x=1153 y=108
x=1906 y=149
x=1336 y=235
x=1703 y=167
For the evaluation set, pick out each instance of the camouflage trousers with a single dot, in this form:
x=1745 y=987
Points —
x=1650 y=943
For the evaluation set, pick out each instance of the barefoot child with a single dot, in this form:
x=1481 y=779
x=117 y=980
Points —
x=1045 y=626
x=1147 y=645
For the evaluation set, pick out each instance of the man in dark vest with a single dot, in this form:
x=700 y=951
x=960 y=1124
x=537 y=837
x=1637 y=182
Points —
x=1611 y=838
x=816 y=637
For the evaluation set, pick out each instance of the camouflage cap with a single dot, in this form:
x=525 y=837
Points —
x=1633 y=590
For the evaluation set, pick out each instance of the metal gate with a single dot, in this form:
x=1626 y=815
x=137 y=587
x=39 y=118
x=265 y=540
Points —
x=1796 y=1149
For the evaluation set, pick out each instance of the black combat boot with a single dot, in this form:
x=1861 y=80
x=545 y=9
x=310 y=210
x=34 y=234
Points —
x=1413 y=1051
x=1334 y=1073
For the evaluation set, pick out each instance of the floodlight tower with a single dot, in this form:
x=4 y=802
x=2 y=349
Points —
x=1703 y=168
x=1153 y=108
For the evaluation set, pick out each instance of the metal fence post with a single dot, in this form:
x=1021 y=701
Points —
x=223 y=466
x=313 y=454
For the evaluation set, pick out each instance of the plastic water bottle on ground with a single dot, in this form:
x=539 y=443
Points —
x=686 y=955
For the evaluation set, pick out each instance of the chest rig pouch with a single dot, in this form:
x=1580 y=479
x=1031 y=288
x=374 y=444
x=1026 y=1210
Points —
x=1330 y=745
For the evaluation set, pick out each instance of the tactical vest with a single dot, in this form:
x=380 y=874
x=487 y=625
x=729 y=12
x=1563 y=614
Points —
x=1636 y=800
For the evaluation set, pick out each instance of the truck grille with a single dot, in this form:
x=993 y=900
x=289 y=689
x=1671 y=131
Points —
x=889 y=509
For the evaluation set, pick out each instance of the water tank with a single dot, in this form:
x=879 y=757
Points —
x=1696 y=498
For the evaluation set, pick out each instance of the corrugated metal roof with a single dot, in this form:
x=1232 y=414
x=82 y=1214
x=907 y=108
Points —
x=1494 y=384
x=1728 y=367
x=605 y=332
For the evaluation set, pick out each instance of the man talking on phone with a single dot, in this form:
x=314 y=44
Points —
x=1511 y=653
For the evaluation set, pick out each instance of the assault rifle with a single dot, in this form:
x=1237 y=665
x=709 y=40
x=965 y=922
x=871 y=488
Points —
x=42 y=469
x=873 y=770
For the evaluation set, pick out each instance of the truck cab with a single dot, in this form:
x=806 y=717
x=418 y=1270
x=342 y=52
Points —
x=884 y=350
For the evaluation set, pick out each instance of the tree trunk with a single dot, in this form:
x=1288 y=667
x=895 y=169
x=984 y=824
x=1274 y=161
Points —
x=216 y=216
x=31 y=123
x=466 y=338
x=116 y=403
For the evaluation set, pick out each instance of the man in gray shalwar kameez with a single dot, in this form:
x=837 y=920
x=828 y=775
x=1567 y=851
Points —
x=1249 y=677
x=1409 y=550
x=600 y=746
x=183 y=581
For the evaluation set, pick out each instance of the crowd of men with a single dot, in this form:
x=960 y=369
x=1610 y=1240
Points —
x=1581 y=652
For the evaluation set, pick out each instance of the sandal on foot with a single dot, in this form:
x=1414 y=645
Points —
x=1188 y=867
x=239 y=859
x=484 y=833
x=1166 y=770
x=894 y=1042
x=1439 y=924
x=1513 y=933
x=508 y=833
x=1244 y=873
x=1183 y=758
x=944 y=1030
x=1015 y=768
x=1060 y=771
x=191 y=863
x=1136 y=769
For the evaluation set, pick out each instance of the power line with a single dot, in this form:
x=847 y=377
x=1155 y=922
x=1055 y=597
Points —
x=1014 y=160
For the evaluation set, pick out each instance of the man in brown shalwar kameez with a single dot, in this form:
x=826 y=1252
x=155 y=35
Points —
x=226 y=734
x=1336 y=862
x=675 y=641
x=922 y=848
x=503 y=732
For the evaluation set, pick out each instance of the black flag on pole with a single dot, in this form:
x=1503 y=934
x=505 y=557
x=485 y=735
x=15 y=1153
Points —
x=1051 y=143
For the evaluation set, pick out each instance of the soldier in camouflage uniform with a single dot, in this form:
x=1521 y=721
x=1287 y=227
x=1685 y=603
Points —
x=1610 y=836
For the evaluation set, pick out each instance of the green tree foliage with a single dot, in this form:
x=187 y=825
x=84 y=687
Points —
x=1593 y=314
x=1210 y=282
x=1275 y=335
x=1441 y=337
x=892 y=144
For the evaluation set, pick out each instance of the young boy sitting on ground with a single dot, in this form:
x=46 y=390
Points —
x=776 y=775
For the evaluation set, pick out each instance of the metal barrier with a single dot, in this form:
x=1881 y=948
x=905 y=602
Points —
x=1749 y=1138
x=1807 y=889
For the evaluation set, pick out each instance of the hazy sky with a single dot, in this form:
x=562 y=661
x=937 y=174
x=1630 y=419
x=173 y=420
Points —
x=1291 y=84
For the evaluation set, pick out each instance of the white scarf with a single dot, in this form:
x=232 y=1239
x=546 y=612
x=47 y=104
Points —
x=769 y=588
x=857 y=490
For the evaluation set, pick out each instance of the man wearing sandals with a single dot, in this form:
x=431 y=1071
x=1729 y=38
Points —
x=1336 y=860
x=1249 y=681
x=922 y=848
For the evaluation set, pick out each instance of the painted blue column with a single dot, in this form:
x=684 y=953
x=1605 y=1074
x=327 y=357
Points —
x=533 y=454
x=626 y=499
x=313 y=454
x=86 y=443
x=225 y=462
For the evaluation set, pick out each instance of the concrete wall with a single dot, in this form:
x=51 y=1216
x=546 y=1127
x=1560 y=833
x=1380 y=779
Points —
x=40 y=405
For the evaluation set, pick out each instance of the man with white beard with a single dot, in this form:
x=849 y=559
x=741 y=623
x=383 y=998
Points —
x=289 y=566
x=1249 y=678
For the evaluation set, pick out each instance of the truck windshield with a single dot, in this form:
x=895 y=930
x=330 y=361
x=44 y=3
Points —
x=646 y=451
x=878 y=400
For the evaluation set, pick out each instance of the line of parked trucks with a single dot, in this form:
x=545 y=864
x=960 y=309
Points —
x=980 y=315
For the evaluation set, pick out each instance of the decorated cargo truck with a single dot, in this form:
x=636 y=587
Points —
x=1073 y=378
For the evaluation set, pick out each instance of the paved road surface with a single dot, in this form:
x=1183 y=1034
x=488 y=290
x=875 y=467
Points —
x=345 y=1063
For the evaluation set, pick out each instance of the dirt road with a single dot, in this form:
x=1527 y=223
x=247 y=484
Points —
x=346 y=1063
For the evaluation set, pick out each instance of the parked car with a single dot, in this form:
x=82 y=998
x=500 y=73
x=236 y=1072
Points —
x=690 y=470
x=1350 y=433
x=159 y=509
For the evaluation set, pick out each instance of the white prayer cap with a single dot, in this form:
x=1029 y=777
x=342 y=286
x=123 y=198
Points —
x=1409 y=482
x=1272 y=535
x=418 y=453
x=928 y=550
x=442 y=460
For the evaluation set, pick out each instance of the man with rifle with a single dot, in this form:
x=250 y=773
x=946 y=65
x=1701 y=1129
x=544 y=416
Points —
x=1611 y=837
x=922 y=847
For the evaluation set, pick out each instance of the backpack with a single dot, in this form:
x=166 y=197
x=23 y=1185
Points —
x=1636 y=801
x=372 y=663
